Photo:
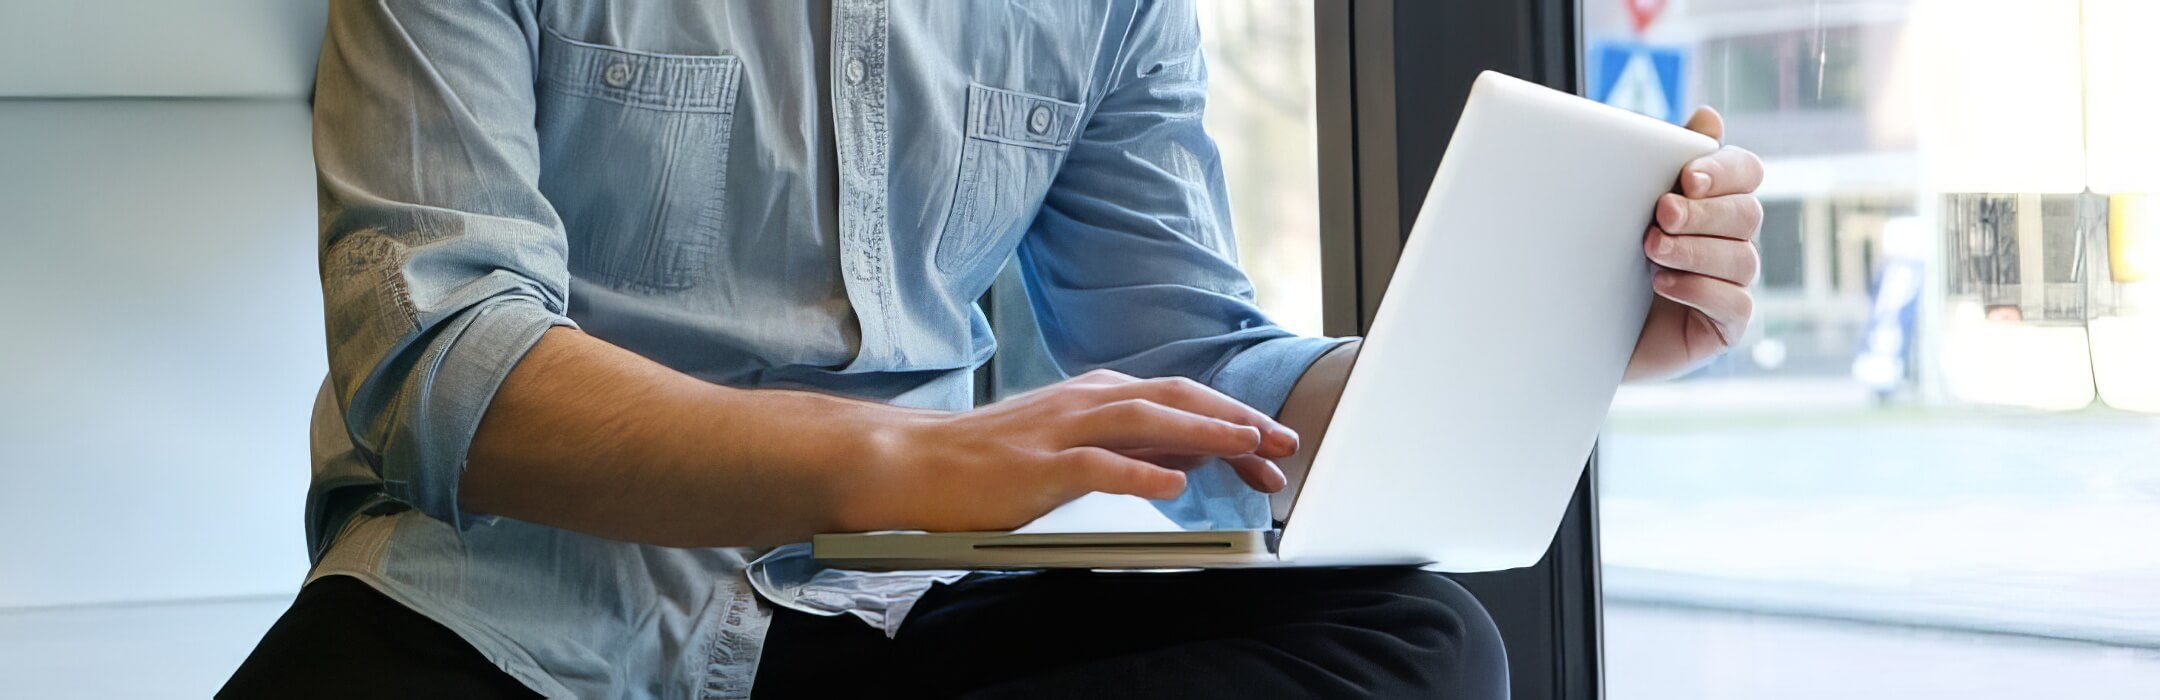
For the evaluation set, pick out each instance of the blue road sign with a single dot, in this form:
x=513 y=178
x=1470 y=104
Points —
x=1640 y=77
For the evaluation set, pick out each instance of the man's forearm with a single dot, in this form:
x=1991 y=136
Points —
x=587 y=436
x=1308 y=410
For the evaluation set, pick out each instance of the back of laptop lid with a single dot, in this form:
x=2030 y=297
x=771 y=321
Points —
x=1510 y=318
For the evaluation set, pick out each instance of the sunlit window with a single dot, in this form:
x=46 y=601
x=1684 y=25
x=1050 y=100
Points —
x=1260 y=111
x=1931 y=468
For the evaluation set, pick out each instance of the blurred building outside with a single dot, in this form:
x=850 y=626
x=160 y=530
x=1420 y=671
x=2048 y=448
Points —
x=1943 y=416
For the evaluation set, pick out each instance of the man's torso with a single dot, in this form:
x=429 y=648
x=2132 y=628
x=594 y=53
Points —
x=757 y=194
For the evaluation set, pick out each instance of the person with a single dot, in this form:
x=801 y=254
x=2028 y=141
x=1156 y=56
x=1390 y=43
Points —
x=626 y=299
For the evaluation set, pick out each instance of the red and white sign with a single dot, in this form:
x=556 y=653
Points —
x=1643 y=12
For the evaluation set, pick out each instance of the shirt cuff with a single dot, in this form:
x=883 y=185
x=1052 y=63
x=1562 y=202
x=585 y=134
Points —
x=1263 y=374
x=466 y=363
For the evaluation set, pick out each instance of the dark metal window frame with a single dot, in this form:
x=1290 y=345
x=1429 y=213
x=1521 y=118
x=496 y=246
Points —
x=1392 y=77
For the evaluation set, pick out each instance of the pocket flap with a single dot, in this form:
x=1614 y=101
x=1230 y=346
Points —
x=637 y=78
x=1021 y=119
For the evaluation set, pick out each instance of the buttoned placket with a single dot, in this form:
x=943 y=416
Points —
x=862 y=143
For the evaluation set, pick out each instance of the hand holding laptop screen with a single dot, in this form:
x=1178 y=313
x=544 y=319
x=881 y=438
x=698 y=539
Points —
x=1701 y=237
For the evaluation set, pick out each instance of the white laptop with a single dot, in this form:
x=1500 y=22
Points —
x=1479 y=392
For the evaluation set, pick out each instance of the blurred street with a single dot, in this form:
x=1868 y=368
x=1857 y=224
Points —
x=2020 y=526
x=1661 y=653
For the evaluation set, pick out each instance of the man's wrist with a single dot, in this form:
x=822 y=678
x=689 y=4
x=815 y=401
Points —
x=1309 y=410
x=867 y=457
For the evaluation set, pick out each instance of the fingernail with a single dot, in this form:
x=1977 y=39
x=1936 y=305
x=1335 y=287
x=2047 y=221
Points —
x=1173 y=484
x=1701 y=180
x=1282 y=441
x=1275 y=480
x=1678 y=219
x=1664 y=245
x=1665 y=280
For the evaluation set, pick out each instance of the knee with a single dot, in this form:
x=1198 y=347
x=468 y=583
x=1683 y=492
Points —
x=1446 y=633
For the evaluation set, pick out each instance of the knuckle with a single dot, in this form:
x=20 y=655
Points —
x=1714 y=165
x=1084 y=469
x=1170 y=384
x=1083 y=457
x=1126 y=409
x=1684 y=287
x=1681 y=254
x=1700 y=214
x=1104 y=373
x=1672 y=209
x=1713 y=216
x=1238 y=437
x=1068 y=397
x=1172 y=390
x=1100 y=466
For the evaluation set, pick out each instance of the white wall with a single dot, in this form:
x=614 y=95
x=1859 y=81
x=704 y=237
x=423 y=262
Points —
x=160 y=345
x=139 y=48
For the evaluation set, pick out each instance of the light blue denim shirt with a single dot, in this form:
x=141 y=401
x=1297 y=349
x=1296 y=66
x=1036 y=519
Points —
x=759 y=194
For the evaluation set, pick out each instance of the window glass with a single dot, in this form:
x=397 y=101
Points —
x=1931 y=467
x=1260 y=111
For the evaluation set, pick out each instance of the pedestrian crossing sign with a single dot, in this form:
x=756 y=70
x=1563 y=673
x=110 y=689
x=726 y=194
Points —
x=1643 y=78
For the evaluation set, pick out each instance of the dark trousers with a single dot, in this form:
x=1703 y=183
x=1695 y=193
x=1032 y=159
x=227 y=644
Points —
x=1387 y=633
x=341 y=639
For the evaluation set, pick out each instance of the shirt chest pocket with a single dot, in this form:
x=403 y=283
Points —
x=1015 y=142
x=633 y=155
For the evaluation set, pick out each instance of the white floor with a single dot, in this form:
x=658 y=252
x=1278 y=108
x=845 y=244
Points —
x=174 y=650
x=1654 y=653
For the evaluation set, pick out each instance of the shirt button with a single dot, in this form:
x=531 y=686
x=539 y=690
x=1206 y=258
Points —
x=617 y=75
x=854 y=71
x=1039 y=120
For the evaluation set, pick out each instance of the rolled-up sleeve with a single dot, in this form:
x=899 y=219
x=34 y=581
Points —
x=441 y=262
x=1131 y=264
